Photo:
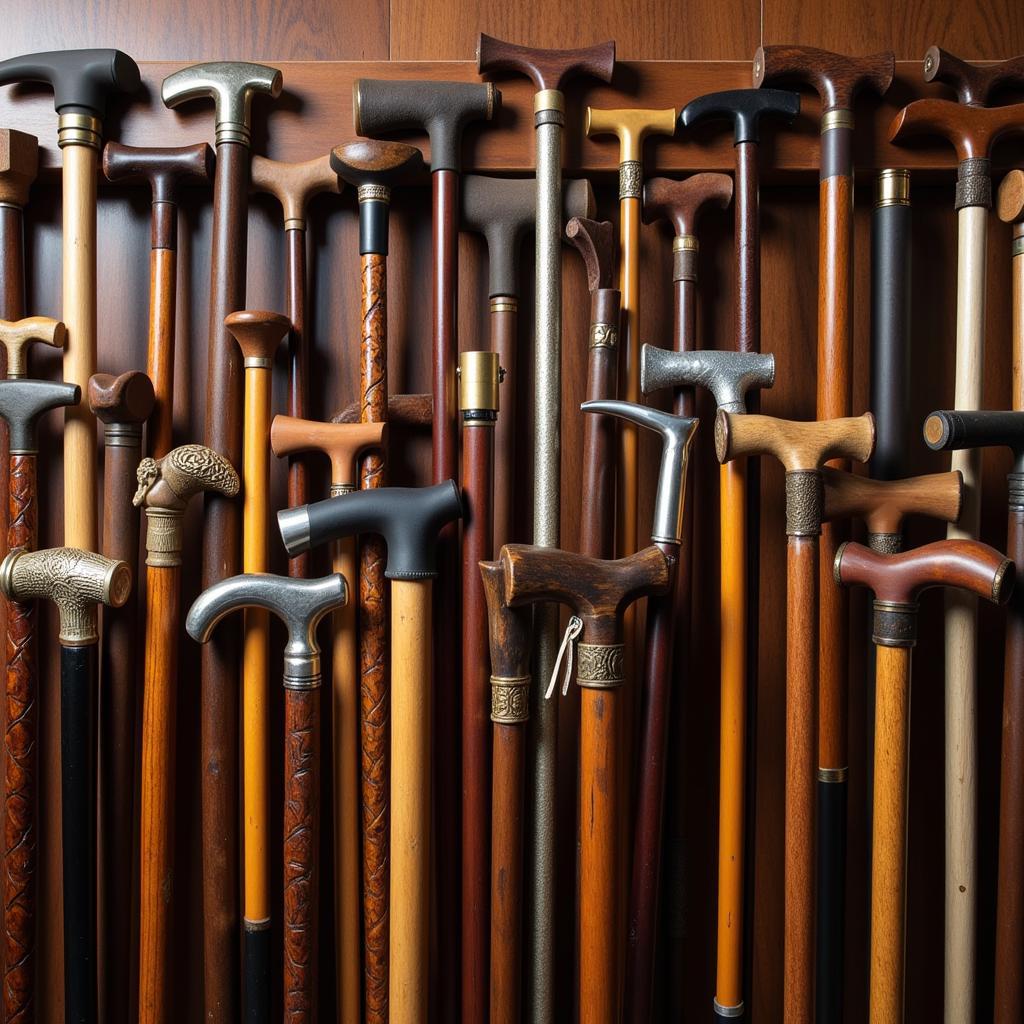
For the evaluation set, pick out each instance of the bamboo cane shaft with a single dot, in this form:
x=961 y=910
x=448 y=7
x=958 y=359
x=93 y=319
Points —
x=411 y=700
x=889 y=834
x=961 y=639
x=156 y=843
x=79 y=314
x=163 y=273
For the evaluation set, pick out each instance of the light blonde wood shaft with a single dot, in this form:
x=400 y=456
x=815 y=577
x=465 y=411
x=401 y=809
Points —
x=410 y=799
x=961 y=638
x=345 y=716
x=889 y=834
x=79 y=314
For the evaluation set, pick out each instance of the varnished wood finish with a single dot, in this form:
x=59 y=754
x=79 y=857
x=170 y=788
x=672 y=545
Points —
x=836 y=77
x=971 y=131
x=973 y=84
x=884 y=504
x=293 y=185
x=682 y=203
x=546 y=68
x=798 y=446
x=343 y=443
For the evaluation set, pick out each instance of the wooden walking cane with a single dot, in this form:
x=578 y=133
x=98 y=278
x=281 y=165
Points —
x=258 y=334
x=343 y=443
x=165 y=170
x=972 y=131
x=802 y=448
x=409 y=520
x=1009 y=982
x=294 y=186
x=21 y=404
x=232 y=86
x=728 y=376
x=76 y=581
x=165 y=487
x=301 y=605
x=550 y=71
x=373 y=169
x=595 y=243
x=83 y=82
x=479 y=376
x=503 y=210
x=897 y=581
x=122 y=404
x=509 y=635
x=837 y=79
x=666 y=534
x=597 y=591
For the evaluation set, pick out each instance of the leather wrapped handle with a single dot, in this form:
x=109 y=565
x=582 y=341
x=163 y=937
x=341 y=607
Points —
x=884 y=504
x=127 y=398
x=82 y=80
x=342 y=443
x=899 y=579
x=744 y=107
x=548 y=69
x=972 y=131
x=836 y=77
x=973 y=84
x=441 y=109
x=682 y=202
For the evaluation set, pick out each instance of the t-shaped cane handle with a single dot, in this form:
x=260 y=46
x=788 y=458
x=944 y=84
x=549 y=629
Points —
x=744 y=107
x=17 y=336
x=676 y=437
x=549 y=70
x=19 y=164
x=836 y=77
x=294 y=185
x=299 y=604
x=950 y=430
x=682 y=202
x=408 y=518
x=342 y=443
x=631 y=127
x=22 y=402
x=121 y=403
x=973 y=84
x=232 y=85
x=727 y=375
x=74 y=580
x=595 y=242
x=884 y=504
x=897 y=580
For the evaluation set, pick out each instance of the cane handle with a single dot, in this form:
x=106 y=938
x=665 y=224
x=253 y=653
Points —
x=342 y=443
x=744 y=107
x=164 y=168
x=884 y=504
x=595 y=242
x=16 y=337
x=973 y=84
x=631 y=127
x=294 y=185
x=972 y=131
x=682 y=202
x=727 y=375
x=258 y=334
x=127 y=399
x=1010 y=202
x=836 y=77
x=22 y=402
x=548 y=69
x=509 y=629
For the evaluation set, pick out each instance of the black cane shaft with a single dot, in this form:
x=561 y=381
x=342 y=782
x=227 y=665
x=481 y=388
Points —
x=298 y=372
x=77 y=705
x=832 y=796
x=256 y=972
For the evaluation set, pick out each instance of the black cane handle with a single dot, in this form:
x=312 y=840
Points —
x=744 y=107
x=82 y=80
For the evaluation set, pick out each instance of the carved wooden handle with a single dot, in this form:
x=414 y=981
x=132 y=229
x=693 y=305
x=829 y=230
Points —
x=127 y=398
x=682 y=202
x=972 y=131
x=509 y=631
x=294 y=185
x=973 y=84
x=595 y=242
x=884 y=504
x=17 y=335
x=371 y=162
x=257 y=332
x=342 y=443
x=836 y=77
x=548 y=69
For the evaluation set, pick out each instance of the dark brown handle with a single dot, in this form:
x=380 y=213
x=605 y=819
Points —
x=836 y=77
x=682 y=202
x=548 y=69
x=973 y=84
x=595 y=242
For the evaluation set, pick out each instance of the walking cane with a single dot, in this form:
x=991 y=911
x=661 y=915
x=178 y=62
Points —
x=258 y=334
x=597 y=591
x=122 y=404
x=479 y=376
x=837 y=79
x=232 y=85
x=409 y=520
x=972 y=131
x=897 y=581
x=550 y=71
x=728 y=376
x=301 y=605
x=373 y=169
x=509 y=636
x=165 y=487
x=343 y=443
x=502 y=210
x=294 y=186
x=595 y=243
x=802 y=448
x=75 y=581
x=21 y=403
x=666 y=534
x=1009 y=985
x=165 y=170
x=83 y=82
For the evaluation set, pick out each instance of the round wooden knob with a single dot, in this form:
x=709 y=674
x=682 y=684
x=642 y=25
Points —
x=258 y=333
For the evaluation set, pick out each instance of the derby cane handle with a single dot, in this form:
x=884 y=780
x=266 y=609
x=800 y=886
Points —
x=973 y=84
x=20 y=761
x=298 y=369
x=547 y=69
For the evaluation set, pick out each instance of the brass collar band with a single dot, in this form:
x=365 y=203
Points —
x=295 y=224
x=974 y=183
x=301 y=672
x=838 y=118
x=79 y=130
x=604 y=335
x=122 y=435
x=549 y=101
x=258 y=363
x=631 y=179
x=337 y=490
x=504 y=304
x=510 y=699
x=600 y=666
x=894 y=624
x=373 y=193
x=831 y=774
x=886 y=543
x=164 y=537
x=892 y=188
x=805 y=503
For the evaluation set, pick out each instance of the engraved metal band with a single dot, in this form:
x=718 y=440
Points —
x=604 y=335
x=894 y=624
x=631 y=179
x=1015 y=485
x=832 y=774
x=164 y=537
x=510 y=699
x=374 y=194
x=886 y=543
x=1017 y=246
x=729 y=1011
x=122 y=435
x=309 y=681
x=337 y=490
x=79 y=130
x=805 y=503
x=600 y=666
x=504 y=304
x=839 y=118
x=974 y=183
x=258 y=363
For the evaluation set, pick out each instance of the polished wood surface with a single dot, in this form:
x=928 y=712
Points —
x=884 y=504
x=798 y=446
x=836 y=77
x=972 y=84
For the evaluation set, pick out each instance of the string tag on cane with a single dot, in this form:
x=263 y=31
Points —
x=572 y=631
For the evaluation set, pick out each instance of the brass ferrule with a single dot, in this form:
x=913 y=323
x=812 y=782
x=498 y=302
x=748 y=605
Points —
x=600 y=666
x=372 y=193
x=510 y=699
x=685 y=243
x=840 y=118
x=604 y=335
x=549 y=99
x=892 y=188
x=79 y=130
x=258 y=363
x=479 y=376
x=165 y=536
x=504 y=304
